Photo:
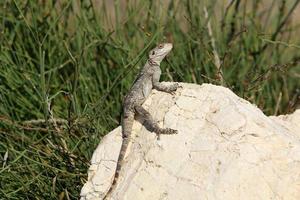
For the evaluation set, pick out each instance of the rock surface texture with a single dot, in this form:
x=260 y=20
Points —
x=226 y=148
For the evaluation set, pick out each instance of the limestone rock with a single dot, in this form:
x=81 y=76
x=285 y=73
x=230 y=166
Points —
x=226 y=148
x=291 y=122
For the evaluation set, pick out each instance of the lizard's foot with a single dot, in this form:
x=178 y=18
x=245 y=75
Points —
x=167 y=131
x=172 y=88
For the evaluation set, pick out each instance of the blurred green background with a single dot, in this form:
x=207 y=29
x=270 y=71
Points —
x=65 y=66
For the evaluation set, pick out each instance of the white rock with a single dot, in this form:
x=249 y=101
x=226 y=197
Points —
x=291 y=122
x=226 y=148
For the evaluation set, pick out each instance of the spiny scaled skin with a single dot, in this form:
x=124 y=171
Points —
x=145 y=82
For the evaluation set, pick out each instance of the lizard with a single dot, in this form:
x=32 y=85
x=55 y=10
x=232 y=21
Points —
x=147 y=80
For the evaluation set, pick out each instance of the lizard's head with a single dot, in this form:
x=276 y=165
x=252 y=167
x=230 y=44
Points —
x=159 y=53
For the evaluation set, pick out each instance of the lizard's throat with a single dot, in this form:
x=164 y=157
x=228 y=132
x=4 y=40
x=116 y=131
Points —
x=153 y=63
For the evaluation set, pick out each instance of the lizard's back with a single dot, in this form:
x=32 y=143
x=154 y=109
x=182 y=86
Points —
x=141 y=88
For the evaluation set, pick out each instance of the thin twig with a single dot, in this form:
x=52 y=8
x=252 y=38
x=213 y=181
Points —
x=23 y=127
x=33 y=125
x=228 y=48
x=233 y=21
x=278 y=103
x=277 y=67
x=279 y=27
x=226 y=13
x=42 y=121
x=216 y=55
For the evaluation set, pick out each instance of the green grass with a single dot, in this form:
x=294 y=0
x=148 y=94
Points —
x=62 y=59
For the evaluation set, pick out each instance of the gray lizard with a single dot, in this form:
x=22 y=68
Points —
x=147 y=79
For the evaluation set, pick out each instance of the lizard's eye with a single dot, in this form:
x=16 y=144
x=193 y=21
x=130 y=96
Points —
x=153 y=53
x=160 y=46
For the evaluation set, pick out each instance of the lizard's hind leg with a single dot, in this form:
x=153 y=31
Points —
x=150 y=123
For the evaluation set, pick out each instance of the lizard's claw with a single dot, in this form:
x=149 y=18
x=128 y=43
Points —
x=168 y=131
x=173 y=88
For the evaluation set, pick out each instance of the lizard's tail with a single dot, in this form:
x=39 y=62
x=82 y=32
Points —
x=127 y=124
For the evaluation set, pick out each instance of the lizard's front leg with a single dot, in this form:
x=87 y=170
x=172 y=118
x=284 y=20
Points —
x=165 y=88
x=161 y=87
x=150 y=123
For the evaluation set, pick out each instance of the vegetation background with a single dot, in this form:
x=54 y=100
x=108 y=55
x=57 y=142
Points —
x=65 y=66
